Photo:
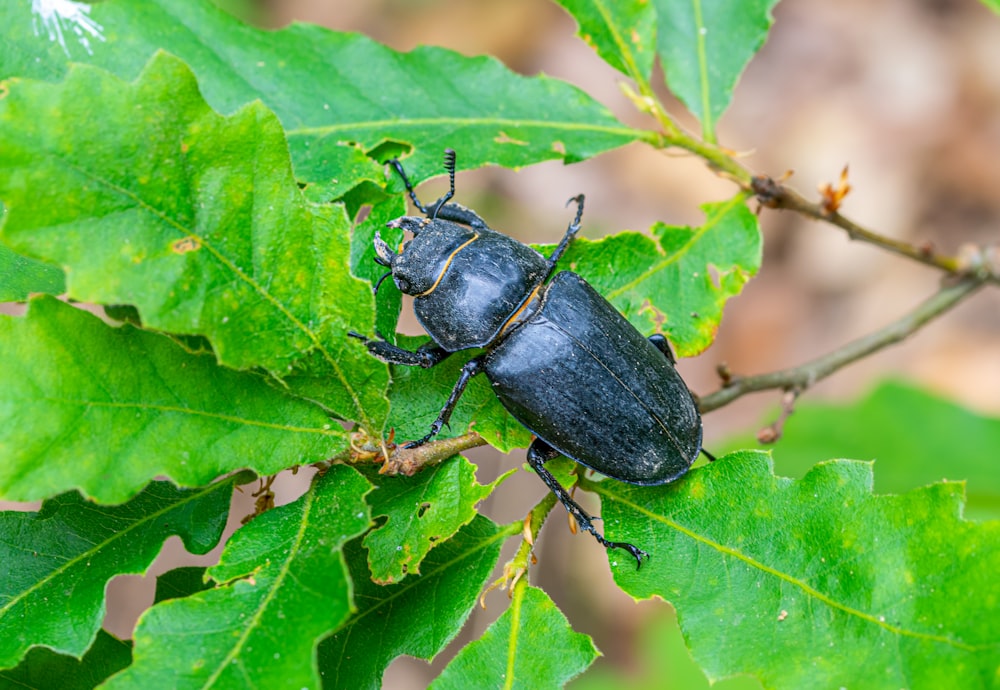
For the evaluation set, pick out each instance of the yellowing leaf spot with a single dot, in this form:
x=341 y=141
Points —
x=659 y=316
x=502 y=138
x=636 y=39
x=188 y=244
x=696 y=488
x=559 y=147
x=4 y=89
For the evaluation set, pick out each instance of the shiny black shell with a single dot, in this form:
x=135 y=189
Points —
x=585 y=381
x=466 y=282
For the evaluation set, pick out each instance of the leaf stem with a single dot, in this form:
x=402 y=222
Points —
x=802 y=377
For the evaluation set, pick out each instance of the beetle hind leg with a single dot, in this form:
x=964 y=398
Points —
x=538 y=454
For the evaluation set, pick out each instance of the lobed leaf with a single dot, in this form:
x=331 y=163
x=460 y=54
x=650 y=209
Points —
x=704 y=48
x=105 y=410
x=530 y=646
x=329 y=88
x=907 y=431
x=621 y=32
x=421 y=512
x=57 y=562
x=283 y=584
x=43 y=668
x=815 y=582
x=417 y=616
x=162 y=204
x=678 y=281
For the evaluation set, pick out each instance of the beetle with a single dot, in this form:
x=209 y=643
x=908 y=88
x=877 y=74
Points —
x=561 y=359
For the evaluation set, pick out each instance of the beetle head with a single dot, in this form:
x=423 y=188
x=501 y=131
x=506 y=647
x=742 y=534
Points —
x=422 y=260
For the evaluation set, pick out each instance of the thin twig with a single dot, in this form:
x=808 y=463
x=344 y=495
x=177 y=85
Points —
x=802 y=377
x=777 y=195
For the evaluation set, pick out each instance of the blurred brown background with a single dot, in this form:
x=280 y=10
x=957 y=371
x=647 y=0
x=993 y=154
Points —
x=907 y=92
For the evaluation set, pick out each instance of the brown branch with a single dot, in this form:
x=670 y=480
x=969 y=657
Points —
x=802 y=377
x=774 y=194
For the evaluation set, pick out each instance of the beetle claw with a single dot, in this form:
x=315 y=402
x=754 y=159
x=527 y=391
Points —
x=636 y=552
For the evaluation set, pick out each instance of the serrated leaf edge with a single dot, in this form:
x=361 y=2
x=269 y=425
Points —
x=711 y=221
x=194 y=495
x=503 y=532
x=600 y=489
x=163 y=60
x=254 y=620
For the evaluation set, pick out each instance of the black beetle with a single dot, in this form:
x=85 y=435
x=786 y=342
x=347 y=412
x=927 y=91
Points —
x=562 y=360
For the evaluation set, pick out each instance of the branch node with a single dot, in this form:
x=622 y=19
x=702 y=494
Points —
x=725 y=374
x=773 y=431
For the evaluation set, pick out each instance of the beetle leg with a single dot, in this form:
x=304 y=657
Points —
x=571 y=231
x=441 y=208
x=538 y=454
x=398 y=167
x=471 y=368
x=663 y=346
x=426 y=356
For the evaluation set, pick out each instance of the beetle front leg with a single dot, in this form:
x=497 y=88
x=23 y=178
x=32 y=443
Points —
x=541 y=452
x=426 y=356
x=571 y=231
x=471 y=368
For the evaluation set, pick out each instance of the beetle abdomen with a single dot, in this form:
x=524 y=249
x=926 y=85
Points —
x=583 y=379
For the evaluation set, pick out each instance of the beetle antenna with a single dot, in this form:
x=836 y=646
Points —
x=379 y=282
x=711 y=458
x=398 y=167
x=449 y=165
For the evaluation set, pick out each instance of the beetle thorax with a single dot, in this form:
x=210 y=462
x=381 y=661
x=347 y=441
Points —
x=467 y=283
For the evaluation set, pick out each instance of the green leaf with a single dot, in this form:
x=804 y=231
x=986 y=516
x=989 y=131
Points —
x=418 y=616
x=328 y=87
x=815 y=582
x=84 y=405
x=43 y=668
x=57 y=562
x=181 y=582
x=530 y=646
x=621 y=32
x=422 y=511
x=173 y=212
x=283 y=585
x=906 y=431
x=658 y=659
x=21 y=276
x=677 y=282
x=704 y=48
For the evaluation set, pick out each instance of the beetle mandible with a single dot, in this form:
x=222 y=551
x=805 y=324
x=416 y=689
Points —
x=561 y=359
